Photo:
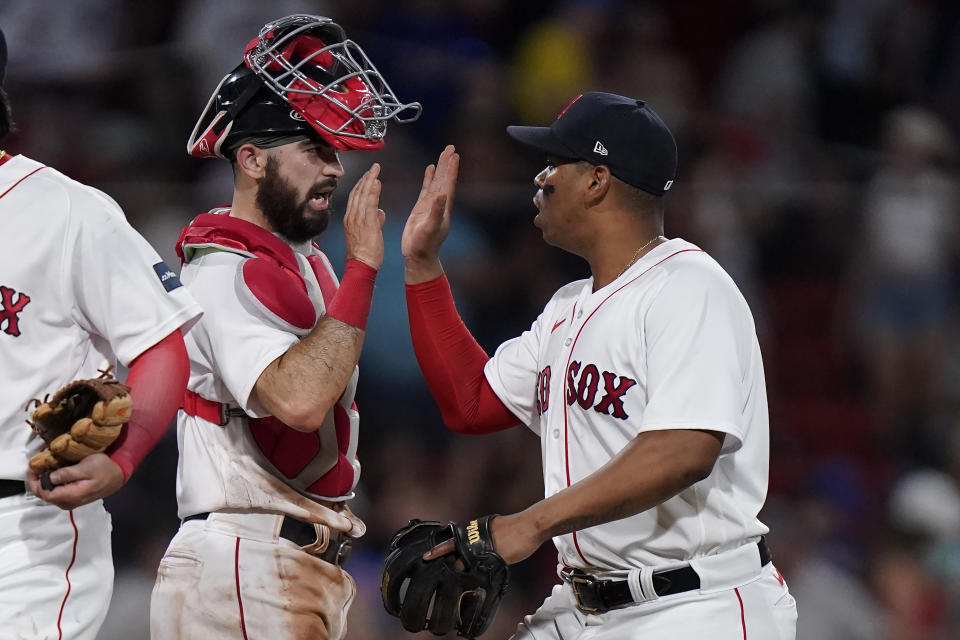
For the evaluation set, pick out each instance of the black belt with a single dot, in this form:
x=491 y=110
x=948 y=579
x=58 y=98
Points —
x=12 y=488
x=335 y=549
x=599 y=595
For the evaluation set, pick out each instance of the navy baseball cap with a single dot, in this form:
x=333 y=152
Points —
x=622 y=133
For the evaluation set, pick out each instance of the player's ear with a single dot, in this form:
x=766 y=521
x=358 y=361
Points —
x=251 y=161
x=598 y=179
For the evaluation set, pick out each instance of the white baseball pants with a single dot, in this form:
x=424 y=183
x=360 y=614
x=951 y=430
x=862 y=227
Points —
x=761 y=609
x=56 y=569
x=231 y=576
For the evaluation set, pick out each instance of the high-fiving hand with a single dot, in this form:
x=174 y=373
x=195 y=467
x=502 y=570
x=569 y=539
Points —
x=429 y=220
x=363 y=221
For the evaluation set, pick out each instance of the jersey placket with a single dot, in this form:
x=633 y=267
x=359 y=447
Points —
x=554 y=418
x=558 y=451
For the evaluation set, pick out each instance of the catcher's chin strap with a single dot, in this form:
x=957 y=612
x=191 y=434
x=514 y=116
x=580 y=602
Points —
x=210 y=410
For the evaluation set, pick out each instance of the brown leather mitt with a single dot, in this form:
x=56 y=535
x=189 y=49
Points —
x=82 y=418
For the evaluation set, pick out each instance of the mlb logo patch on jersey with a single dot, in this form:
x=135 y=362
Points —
x=168 y=278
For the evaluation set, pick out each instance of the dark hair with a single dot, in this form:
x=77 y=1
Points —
x=6 y=115
x=640 y=201
x=635 y=199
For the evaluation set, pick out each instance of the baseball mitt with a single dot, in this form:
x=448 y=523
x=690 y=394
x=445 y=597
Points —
x=465 y=594
x=82 y=418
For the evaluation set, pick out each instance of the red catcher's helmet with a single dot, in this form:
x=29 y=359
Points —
x=300 y=75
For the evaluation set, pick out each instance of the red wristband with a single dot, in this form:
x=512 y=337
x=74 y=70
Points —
x=126 y=465
x=351 y=302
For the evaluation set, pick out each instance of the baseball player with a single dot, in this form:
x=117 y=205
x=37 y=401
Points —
x=268 y=430
x=79 y=290
x=644 y=383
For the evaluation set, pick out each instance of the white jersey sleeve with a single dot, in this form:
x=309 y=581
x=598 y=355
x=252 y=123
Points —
x=234 y=341
x=512 y=371
x=700 y=343
x=122 y=290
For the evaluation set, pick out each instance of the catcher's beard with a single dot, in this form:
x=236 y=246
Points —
x=289 y=216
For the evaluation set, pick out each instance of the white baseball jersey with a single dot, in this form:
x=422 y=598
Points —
x=79 y=290
x=244 y=465
x=669 y=344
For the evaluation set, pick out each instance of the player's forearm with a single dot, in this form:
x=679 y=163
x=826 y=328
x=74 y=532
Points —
x=654 y=467
x=157 y=380
x=452 y=361
x=301 y=386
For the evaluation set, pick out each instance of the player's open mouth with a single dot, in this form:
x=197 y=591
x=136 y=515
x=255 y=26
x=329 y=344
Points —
x=320 y=201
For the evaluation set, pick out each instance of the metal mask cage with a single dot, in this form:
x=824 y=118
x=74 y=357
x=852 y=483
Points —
x=379 y=104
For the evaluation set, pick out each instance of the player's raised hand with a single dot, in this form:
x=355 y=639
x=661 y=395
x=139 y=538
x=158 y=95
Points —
x=363 y=221
x=94 y=477
x=429 y=220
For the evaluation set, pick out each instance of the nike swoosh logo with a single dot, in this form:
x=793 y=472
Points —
x=557 y=325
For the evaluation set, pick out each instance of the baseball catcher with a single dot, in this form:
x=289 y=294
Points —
x=82 y=418
x=465 y=586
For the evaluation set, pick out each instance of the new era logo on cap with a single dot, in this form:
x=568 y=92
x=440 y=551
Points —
x=599 y=148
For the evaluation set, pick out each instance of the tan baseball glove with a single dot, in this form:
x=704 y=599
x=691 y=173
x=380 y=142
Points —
x=82 y=418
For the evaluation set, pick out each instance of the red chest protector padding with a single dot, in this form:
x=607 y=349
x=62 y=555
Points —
x=273 y=276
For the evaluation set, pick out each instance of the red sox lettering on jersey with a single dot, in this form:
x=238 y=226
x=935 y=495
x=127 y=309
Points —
x=583 y=387
x=583 y=390
x=10 y=309
x=542 y=394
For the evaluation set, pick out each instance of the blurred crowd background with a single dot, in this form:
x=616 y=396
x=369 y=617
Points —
x=818 y=165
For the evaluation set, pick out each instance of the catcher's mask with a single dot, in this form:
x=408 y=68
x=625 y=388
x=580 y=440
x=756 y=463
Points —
x=298 y=76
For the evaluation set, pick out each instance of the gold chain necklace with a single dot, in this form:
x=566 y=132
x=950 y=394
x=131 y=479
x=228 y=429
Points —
x=636 y=254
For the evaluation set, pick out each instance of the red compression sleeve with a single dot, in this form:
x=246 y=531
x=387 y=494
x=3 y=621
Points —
x=351 y=302
x=452 y=361
x=157 y=380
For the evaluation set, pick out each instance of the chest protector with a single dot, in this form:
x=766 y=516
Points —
x=270 y=282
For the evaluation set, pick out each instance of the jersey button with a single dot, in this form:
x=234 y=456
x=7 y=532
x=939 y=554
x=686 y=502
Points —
x=556 y=433
x=580 y=313
x=568 y=341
